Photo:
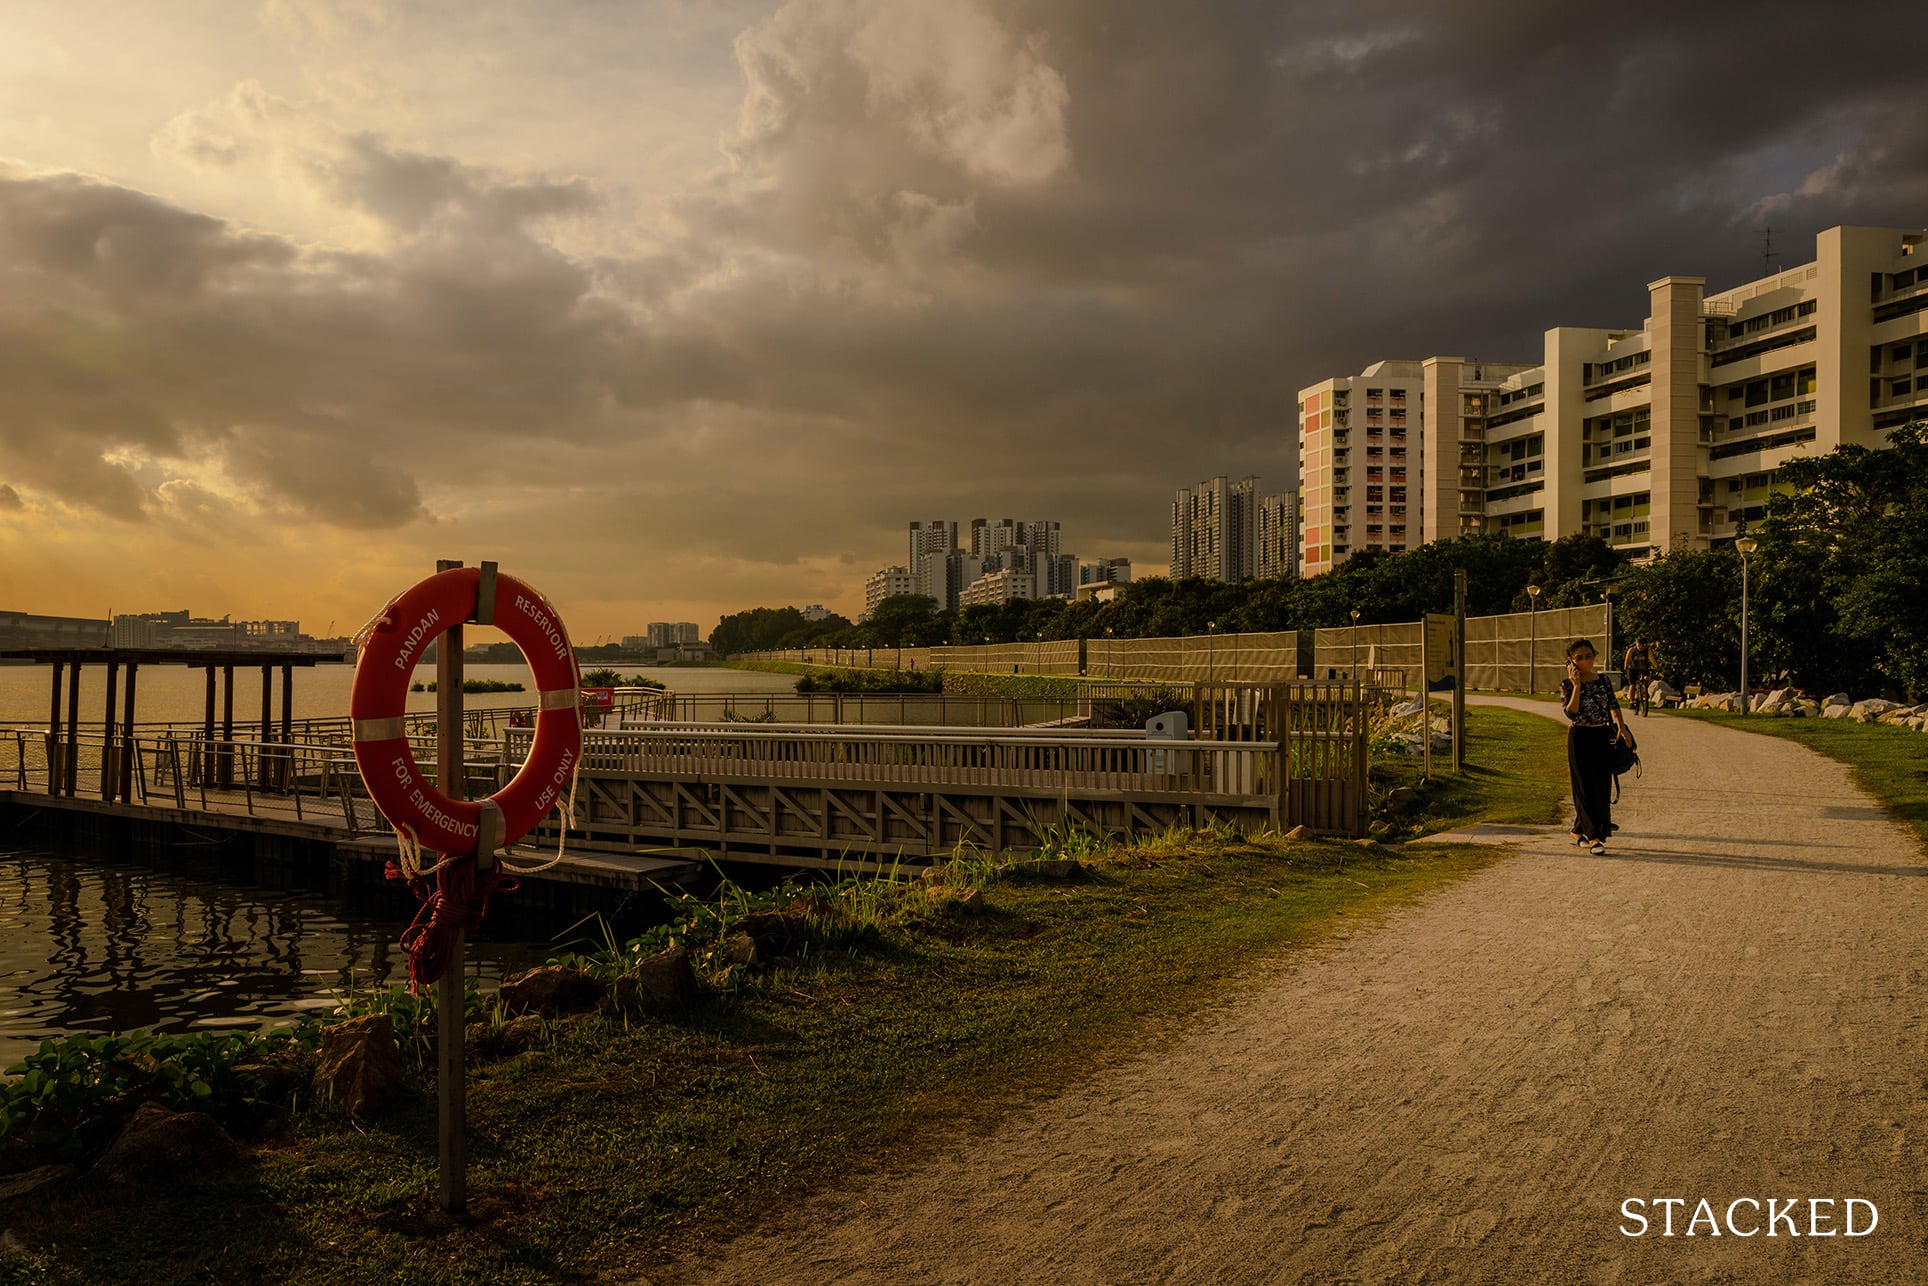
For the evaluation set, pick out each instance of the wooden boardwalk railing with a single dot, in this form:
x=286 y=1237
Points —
x=1262 y=758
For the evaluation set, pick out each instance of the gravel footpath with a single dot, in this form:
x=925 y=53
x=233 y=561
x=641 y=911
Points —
x=1468 y=1091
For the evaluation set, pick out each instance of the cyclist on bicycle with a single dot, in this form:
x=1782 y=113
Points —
x=1639 y=669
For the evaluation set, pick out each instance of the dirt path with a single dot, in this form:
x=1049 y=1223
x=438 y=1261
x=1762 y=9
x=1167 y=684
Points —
x=1725 y=1006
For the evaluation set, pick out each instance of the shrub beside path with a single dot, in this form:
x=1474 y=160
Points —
x=1725 y=1006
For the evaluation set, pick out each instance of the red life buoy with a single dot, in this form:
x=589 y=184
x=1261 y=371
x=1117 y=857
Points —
x=406 y=628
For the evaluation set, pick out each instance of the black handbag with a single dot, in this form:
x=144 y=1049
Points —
x=1626 y=759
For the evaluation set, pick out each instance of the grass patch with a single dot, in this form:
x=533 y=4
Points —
x=1042 y=686
x=612 y=1144
x=1889 y=763
x=772 y=667
x=1515 y=775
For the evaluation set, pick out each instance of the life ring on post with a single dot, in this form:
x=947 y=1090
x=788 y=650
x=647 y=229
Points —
x=409 y=800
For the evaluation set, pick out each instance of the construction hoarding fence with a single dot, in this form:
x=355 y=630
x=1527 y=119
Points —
x=1519 y=651
x=1526 y=651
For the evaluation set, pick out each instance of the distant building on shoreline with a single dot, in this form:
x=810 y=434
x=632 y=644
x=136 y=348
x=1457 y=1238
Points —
x=25 y=629
x=662 y=634
x=954 y=575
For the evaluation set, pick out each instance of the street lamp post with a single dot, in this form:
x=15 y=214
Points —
x=1533 y=644
x=1353 y=672
x=1747 y=545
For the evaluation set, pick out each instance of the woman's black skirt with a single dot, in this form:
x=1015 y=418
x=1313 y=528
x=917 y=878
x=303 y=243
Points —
x=1590 y=765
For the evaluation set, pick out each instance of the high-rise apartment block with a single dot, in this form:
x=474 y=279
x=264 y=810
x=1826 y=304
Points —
x=1106 y=571
x=1359 y=442
x=1278 y=536
x=672 y=633
x=1654 y=438
x=999 y=587
x=887 y=582
x=990 y=538
x=931 y=544
x=1215 y=530
x=943 y=569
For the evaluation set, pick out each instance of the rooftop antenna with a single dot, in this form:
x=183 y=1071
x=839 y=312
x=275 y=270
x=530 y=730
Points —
x=1767 y=249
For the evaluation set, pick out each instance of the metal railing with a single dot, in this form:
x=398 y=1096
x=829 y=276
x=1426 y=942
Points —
x=483 y=725
x=284 y=780
x=903 y=709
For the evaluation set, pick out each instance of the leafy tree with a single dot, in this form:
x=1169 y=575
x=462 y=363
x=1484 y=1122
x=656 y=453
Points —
x=762 y=629
x=1687 y=606
x=1574 y=567
x=1841 y=589
x=905 y=620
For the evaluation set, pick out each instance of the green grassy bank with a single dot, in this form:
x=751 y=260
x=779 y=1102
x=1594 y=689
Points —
x=1515 y=775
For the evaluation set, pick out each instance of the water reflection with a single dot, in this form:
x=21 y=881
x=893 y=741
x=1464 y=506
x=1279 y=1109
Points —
x=89 y=944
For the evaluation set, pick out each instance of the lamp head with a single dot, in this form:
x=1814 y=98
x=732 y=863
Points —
x=1354 y=614
x=1747 y=545
x=1532 y=591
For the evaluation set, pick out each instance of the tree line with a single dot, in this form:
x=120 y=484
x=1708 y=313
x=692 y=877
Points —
x=1837 y=591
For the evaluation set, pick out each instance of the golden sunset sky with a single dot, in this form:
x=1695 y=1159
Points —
x=676 y=308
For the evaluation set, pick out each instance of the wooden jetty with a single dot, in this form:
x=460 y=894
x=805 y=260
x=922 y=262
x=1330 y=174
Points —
x=656 y=797
x=285 y=789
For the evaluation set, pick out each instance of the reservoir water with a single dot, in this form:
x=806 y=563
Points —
x=176 y=693
x=91 y=944
x=107 y=942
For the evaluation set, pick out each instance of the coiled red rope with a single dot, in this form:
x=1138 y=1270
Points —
x=453 y=899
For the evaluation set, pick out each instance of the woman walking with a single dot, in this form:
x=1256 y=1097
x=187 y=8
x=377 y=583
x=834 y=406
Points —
x=1597 y=724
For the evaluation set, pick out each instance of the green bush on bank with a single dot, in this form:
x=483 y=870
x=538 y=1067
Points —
x=1040 y=686
x=69 y=1099
x=474 y=685
x=851 y=680
x=606 y=678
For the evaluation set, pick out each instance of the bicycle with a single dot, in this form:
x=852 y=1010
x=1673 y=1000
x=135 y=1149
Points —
x=1639 y=691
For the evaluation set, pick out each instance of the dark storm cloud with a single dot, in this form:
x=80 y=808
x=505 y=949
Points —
x=1028 y=257
x=1256 y=196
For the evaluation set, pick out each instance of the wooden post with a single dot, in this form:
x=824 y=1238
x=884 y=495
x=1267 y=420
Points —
x=451 y=1074
x=207 y=734
x=262 y=757
x=1459 y=664
x=108 y=773
x=288 y=725
x=227 y=725
x=71 y=769
x=53 y=734
x=127 y=738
